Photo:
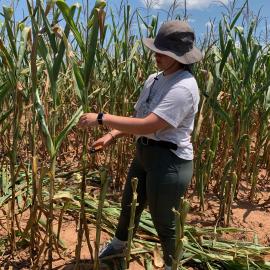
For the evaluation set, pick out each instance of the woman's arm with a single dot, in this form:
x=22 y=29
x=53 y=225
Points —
x=117 y=133
x=107 y=139
x=147 y=125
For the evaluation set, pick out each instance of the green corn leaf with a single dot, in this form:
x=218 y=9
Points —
x=47 y=28
x=25 y=33
x=225 y=55
x=233 y=74
x=143 y=20
x=4 y=115
x=250 y=35
x=221 y=38
x=237 y=15
x=222 y=113
x=5 y=88
x=67 y=14
x=73 y=121
x=154 y=25
x=133 y=52
x=243 y=42
x=109 y=66
x=78 y=79
x=217 y=60
x=148 y=229
x=100 y=4
x=251 y=64
x=90 y=59
x=250 y=105
x=239 y=145
x=267 y=99
x=43 y=125
x=42 y=49
x=62 y=47
x=4 y=53
x=8 y=12
x=148 y=262
x=4 y=199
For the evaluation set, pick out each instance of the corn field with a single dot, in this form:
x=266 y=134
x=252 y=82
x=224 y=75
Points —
x=61 y=61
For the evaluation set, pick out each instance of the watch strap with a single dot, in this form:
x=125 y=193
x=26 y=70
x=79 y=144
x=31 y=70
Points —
x=100 y=118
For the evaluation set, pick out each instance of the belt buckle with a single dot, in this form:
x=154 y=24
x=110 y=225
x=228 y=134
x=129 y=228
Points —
x=144 y=141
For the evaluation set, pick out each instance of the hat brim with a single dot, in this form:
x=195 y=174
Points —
x=188 y=58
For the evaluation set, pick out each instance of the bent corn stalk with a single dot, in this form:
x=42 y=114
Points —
x=104 y=179
x=133 y=206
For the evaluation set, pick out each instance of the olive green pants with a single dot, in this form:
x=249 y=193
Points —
x=162 y=179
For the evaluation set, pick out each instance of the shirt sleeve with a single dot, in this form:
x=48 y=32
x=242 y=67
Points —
x=175 y=106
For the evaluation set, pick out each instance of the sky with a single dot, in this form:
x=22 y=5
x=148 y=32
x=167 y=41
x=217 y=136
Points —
x=200 y=12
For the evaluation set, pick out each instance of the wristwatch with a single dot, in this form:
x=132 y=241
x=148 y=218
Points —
x=99 y=118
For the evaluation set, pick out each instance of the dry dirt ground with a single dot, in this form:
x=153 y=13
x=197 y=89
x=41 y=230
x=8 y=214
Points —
x=254 y=217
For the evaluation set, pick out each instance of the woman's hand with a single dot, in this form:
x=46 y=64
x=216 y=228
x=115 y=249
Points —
x=103 y=142
x=88 y=120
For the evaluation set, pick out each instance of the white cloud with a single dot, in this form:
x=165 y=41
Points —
x=191 y=4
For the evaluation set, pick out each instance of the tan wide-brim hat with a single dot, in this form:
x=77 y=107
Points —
x=175 y=39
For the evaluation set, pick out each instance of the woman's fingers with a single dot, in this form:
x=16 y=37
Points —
x=102 y=142
x=97 y=143
x=88 y=120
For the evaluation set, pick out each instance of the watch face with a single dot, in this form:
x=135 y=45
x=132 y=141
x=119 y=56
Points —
x=99 y=118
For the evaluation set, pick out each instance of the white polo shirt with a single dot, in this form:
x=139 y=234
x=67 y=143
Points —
x=175 y=99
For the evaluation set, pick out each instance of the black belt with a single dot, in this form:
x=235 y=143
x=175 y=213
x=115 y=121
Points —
x=147 y=141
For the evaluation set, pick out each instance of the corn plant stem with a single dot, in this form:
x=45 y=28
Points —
x=82 y=199
x=56 y=243
x=254 y=175
x=33 y=210
x=231 y=197
x=200 y=119
x=61 y=219
x=41 y=250
x=212 y=154
x=180 y=219
x=104 y=187
x=134 y=183
x=87 y=236
x=50 y=216
x=223 y=190
x=12 y=209
x=200 y=168
x=13 y=161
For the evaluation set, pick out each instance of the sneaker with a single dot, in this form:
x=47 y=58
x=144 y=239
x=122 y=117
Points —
x=109 y=252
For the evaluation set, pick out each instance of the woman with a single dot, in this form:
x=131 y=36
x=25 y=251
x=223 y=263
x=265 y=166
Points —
x=163 y=123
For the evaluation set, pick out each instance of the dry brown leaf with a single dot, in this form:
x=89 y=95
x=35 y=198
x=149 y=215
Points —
x=158 y=261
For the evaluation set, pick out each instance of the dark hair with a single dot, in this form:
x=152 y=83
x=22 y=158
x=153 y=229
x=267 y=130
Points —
x=189 y=67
